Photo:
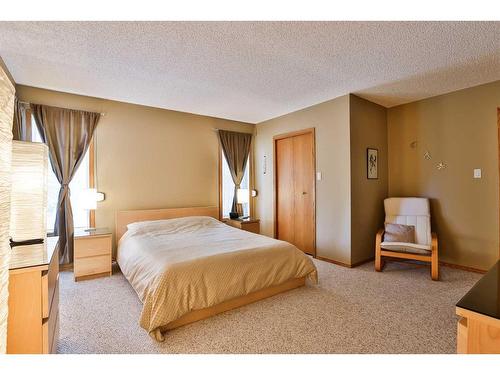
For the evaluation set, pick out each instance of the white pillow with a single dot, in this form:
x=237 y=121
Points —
x=182 y=223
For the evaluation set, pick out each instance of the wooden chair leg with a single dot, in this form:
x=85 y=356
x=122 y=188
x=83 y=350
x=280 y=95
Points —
x=434 y=258
x=379 y=263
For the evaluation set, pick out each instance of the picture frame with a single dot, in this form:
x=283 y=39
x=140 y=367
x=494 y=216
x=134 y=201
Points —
x=372 y=163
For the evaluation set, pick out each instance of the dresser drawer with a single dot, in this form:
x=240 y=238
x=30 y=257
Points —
x=50 y=324
x=55 y=338
x=50 y=279
x=88 y=247
x=92 y=265
x=54 y=320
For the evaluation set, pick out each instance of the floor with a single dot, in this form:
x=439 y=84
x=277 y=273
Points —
x=350 y=311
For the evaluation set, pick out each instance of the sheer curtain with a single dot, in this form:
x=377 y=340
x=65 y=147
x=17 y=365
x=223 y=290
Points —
x=68 y=134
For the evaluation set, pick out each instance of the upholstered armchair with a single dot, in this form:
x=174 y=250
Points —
x=408 y=236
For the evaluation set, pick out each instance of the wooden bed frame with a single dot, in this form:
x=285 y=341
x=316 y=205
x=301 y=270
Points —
x=126 y=217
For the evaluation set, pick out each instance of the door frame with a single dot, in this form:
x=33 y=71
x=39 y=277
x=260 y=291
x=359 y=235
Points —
x=276 y=138
x=498 y=147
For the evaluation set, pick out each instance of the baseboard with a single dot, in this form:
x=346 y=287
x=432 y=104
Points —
x=334 y=262
x=465 y=268
x=444 y=264
x=345 y=264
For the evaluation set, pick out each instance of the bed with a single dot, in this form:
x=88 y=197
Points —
x=185 y=265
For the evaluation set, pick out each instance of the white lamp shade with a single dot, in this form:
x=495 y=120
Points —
x=88 y=199
x=28 y=210
x=242 y=196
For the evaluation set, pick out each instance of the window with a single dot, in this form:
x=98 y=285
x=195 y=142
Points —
x=78 y=185
x=227 y=188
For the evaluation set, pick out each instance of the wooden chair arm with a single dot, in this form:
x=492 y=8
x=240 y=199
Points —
x=379 y=236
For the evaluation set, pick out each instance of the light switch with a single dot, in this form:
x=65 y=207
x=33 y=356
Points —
x=319 y=176
x=477 y=173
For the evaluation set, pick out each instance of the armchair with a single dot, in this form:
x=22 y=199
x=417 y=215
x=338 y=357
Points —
x=415 y=212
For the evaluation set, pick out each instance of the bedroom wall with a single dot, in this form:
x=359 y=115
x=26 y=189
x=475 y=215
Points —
x=147 y=157
x=368 y=129
x=333 y=195
x=460 y=130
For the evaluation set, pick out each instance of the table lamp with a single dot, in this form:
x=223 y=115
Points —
x=242 y=197
x=28 y=210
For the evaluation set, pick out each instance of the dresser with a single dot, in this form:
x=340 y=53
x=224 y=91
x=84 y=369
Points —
x=33 y=320
x=92 y=254
x=250 y=225
x=478 y=330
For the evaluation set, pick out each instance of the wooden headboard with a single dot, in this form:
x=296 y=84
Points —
x=126 y=217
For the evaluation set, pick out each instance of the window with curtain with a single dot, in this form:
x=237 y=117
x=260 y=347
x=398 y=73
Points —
x=227 y=186
x=78 y=186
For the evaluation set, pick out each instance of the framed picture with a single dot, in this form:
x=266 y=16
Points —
x=372 y=163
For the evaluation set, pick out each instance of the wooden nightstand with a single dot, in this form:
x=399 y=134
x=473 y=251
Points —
x=250 y=225
x=92 y=254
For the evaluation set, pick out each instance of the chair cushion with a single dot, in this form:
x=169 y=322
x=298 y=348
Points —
x=410 y=211
x=407 y=207
x=399 y=233
x=404 y=247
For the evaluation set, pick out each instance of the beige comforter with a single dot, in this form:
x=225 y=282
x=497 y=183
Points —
x=180 y=265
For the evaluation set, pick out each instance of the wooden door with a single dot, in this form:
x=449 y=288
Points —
x=295 y=189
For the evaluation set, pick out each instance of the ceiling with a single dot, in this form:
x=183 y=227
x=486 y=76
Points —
x=251 y=71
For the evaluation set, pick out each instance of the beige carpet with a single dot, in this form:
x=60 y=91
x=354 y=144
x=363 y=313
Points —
x=351 y=311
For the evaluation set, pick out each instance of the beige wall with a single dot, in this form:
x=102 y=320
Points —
x=460 y=130
x=368 y=129
x=147 y=157
x=333 y=196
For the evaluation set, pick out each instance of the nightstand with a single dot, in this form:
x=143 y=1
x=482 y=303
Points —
x=250 y=225
x=92 y=254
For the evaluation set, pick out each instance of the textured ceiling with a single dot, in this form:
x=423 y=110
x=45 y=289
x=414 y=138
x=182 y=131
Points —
x=251 y=71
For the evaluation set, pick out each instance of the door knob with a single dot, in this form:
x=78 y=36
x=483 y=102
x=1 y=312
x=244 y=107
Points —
x=304 y=193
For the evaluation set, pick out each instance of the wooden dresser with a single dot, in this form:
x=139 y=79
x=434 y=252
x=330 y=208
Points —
x=33 y=321
x=478 y=330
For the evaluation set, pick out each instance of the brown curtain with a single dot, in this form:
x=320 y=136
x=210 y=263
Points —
x=236 y=147
x=19 y=132
x=67 y=133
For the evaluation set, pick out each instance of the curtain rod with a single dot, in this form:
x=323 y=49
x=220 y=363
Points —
x=28 y=103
